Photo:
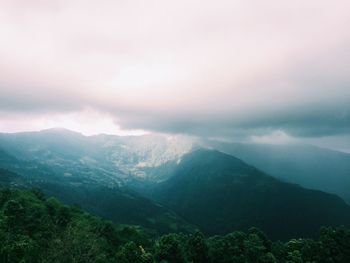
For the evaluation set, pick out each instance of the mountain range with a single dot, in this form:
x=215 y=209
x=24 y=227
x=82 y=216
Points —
x=180 y=184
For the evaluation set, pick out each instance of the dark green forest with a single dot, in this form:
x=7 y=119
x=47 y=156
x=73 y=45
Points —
x=34 y=228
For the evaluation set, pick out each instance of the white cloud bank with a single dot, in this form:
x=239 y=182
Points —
x=208 y=68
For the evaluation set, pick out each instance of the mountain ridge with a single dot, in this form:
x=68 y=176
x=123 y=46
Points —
x=231 y=195
x=307 y=165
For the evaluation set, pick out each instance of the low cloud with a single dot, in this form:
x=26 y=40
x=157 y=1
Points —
x=230 y=69
x=276 y=137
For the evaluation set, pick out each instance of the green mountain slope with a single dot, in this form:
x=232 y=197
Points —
x=117 y=204
x=221 y=193
x=34 y=229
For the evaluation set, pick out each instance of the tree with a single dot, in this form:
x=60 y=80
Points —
x=77 y=244
x=334 y=245
x=294 y=257
x=18 y=248
x=130 y=253
x=38 y=193
x=5 y=194
x=169 y=249
x=14 y=214
x=227 y=249
x=197 y=248
x=266 y=242
x=254 y=248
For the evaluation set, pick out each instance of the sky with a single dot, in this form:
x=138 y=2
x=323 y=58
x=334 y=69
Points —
x=255 y=71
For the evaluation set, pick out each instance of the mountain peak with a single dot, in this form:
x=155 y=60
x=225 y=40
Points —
x=60 y=130
x=208 y=159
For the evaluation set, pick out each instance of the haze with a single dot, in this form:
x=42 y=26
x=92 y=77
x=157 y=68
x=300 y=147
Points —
x=263 y=72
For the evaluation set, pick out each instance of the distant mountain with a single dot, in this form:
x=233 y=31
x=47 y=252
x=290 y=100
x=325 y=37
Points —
x=106 y=158
x=221 y=193
x=307 y=165
x=118 y=160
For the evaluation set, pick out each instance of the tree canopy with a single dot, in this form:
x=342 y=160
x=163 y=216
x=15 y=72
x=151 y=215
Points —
x=36 y=229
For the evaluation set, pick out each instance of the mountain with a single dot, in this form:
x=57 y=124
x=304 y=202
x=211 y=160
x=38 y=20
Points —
x=114 y=203
x=91 y=171
x=307 y=165
x=108 y=158
x=118 y=160
x=221 y=193
x=184 y=188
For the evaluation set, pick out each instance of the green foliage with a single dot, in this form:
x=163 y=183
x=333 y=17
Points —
x=334 y=245
x=5 y=195
x=197 y=248
x=130 y=253
x=35 y=229
x=169 y=248
x=229 y=248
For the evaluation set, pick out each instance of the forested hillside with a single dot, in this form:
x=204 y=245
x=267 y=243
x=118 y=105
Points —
x=113 y=203
x=220 y=193
x=34 y=228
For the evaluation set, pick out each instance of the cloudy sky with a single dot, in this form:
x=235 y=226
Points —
x=262 y=71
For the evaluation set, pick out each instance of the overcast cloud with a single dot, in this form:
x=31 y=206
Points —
x=241 y=70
